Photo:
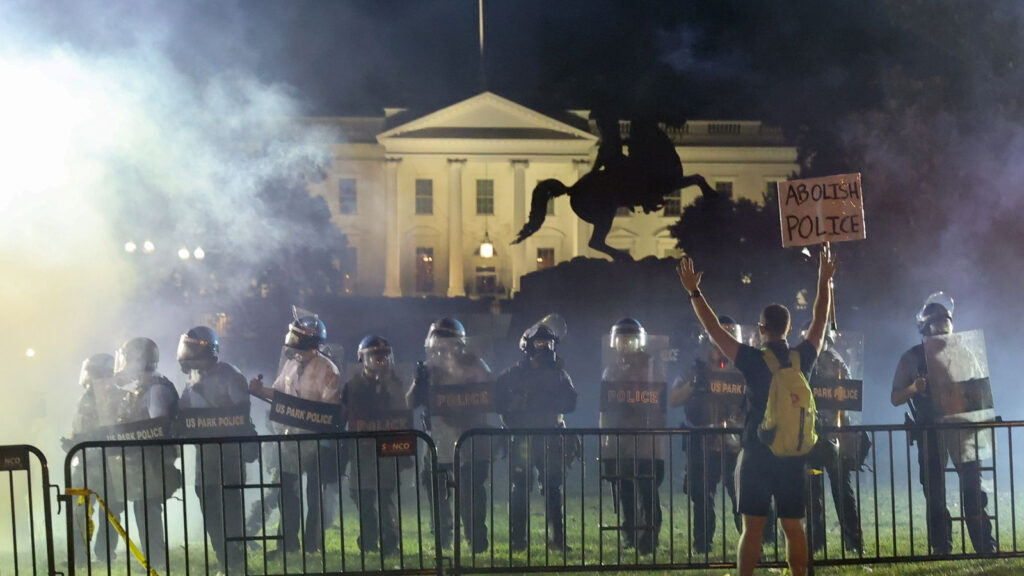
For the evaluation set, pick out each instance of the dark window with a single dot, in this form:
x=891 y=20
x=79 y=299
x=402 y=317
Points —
x=622 y=211
x=424 y=269
x=545 y=258
x=485 y=197
x=486 y=280
x=347 y=199
x=724 y=187
x=673 y=204
x=424 y=196
x=551 y=207
x=770 y=187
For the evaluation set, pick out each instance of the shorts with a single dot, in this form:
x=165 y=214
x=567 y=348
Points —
x=760 y=476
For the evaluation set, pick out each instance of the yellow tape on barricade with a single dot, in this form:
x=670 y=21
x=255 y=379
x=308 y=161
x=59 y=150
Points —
x=83 y=500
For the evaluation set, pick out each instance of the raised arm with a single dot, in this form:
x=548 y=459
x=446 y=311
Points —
x=823 y=301
x=690 y=280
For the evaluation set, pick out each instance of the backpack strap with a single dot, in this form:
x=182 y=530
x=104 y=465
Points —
x=774 y=365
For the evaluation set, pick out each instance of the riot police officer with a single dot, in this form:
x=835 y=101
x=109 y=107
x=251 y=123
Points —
x=152 y=476
x=633 y=396
x=307 y=374
x=455 y=387
x=97 y=408
x=836 y=456
x=710 y=459
x=373 y=400
x=214 y=384
x=536 y=393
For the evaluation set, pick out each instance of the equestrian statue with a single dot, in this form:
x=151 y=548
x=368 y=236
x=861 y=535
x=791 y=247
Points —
x=651 y=171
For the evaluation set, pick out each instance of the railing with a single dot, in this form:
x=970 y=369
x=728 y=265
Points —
x=883 y=520
x=279 y=505
x=612 y=500
x=26 y=533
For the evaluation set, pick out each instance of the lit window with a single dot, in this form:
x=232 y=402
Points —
x=424 y=196
x=424 y=269
x=347 y=199
x=485 y=197
x=673 y=204
x=545 y=258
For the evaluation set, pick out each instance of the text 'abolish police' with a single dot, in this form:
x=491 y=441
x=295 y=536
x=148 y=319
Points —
x=810 y=226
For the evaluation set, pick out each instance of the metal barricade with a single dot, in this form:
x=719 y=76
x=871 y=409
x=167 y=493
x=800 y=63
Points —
x=623 y=509
x=26 y=533
x=306 y=504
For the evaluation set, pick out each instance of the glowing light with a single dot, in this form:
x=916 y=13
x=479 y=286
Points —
x=130 y=247
x=183 y=253
x=148 y=247
x=486 y=249
x=30 y=352
x=199 y=253
x=747 y=278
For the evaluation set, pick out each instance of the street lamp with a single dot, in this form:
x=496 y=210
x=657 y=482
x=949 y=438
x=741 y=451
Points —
x=183 y=253
x=199 y=253
x=486 y=247
x=130 y=247
x=148 y=247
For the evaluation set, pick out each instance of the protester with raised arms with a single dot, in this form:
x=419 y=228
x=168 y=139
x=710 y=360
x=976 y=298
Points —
x=762 y=474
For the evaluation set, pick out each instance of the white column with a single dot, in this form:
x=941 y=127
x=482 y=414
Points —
x=456 y=282
x=581 y=235
x=392 y=234
x=518 y=219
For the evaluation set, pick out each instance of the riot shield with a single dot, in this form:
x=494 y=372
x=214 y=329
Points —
x=834 y=383
x=633 y=387
x=959 y=382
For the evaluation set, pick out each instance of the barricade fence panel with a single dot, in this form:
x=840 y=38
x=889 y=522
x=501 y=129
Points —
x=359 y=502
x=600 y=499
x=26 y=541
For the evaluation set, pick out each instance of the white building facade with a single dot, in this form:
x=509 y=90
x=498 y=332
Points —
x=418 y=196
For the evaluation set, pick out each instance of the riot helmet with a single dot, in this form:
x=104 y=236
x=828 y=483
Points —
x=376 y=356
x=628 y=335
x=306 y=333
x=444 y=337
x=936 y=315
x=137 y=356
x=95 y=367
x=198 y=349
x=830 y=334
x=539 y=342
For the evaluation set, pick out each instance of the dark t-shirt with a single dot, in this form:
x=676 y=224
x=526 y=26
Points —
x=750 y=361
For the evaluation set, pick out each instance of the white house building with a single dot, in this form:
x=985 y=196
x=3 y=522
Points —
x=417 y=197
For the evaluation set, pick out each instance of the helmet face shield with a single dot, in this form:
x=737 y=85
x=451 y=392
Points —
x=628 y=343
x=377 y=363
x=195 y=354
x=306 y=333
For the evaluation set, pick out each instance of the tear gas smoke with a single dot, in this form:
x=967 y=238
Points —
x=112 y=156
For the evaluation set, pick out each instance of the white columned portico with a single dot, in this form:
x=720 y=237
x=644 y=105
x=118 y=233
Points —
x=583 y=230
x=518 y=219
x=392 y=234
x=456 y=281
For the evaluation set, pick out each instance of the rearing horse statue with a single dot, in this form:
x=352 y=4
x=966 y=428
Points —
x=650 y=172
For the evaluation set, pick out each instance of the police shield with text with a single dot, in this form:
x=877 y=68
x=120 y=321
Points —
x=536 y=393
x=633 y=396
x=838 y=456
x=149 y=403
x=943 y=379
x=712 y=395
x=216 y=404
x=374 y=400
x=307 y=378
x=455 y=388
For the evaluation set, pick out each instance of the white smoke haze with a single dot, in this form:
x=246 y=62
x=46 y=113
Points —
x=106 y=139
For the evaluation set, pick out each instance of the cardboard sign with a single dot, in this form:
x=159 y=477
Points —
x=214 y=422
x=13 y=458
x=459 y=399
x=309 y=414
x=622 y=396
x=838 y=393
x=381 y=419
x=817 y=210
x=393 y=446
x=149 y=429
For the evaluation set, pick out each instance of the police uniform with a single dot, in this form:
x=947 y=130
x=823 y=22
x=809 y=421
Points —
x=309 y=375
x=371 y=405
x=220 y=386
x=635 y=464
x=530 y=396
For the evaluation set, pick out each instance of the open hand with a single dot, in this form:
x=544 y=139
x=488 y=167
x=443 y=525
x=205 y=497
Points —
x=687 y=277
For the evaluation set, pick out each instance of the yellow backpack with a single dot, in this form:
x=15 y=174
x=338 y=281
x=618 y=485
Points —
x=788 y=425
